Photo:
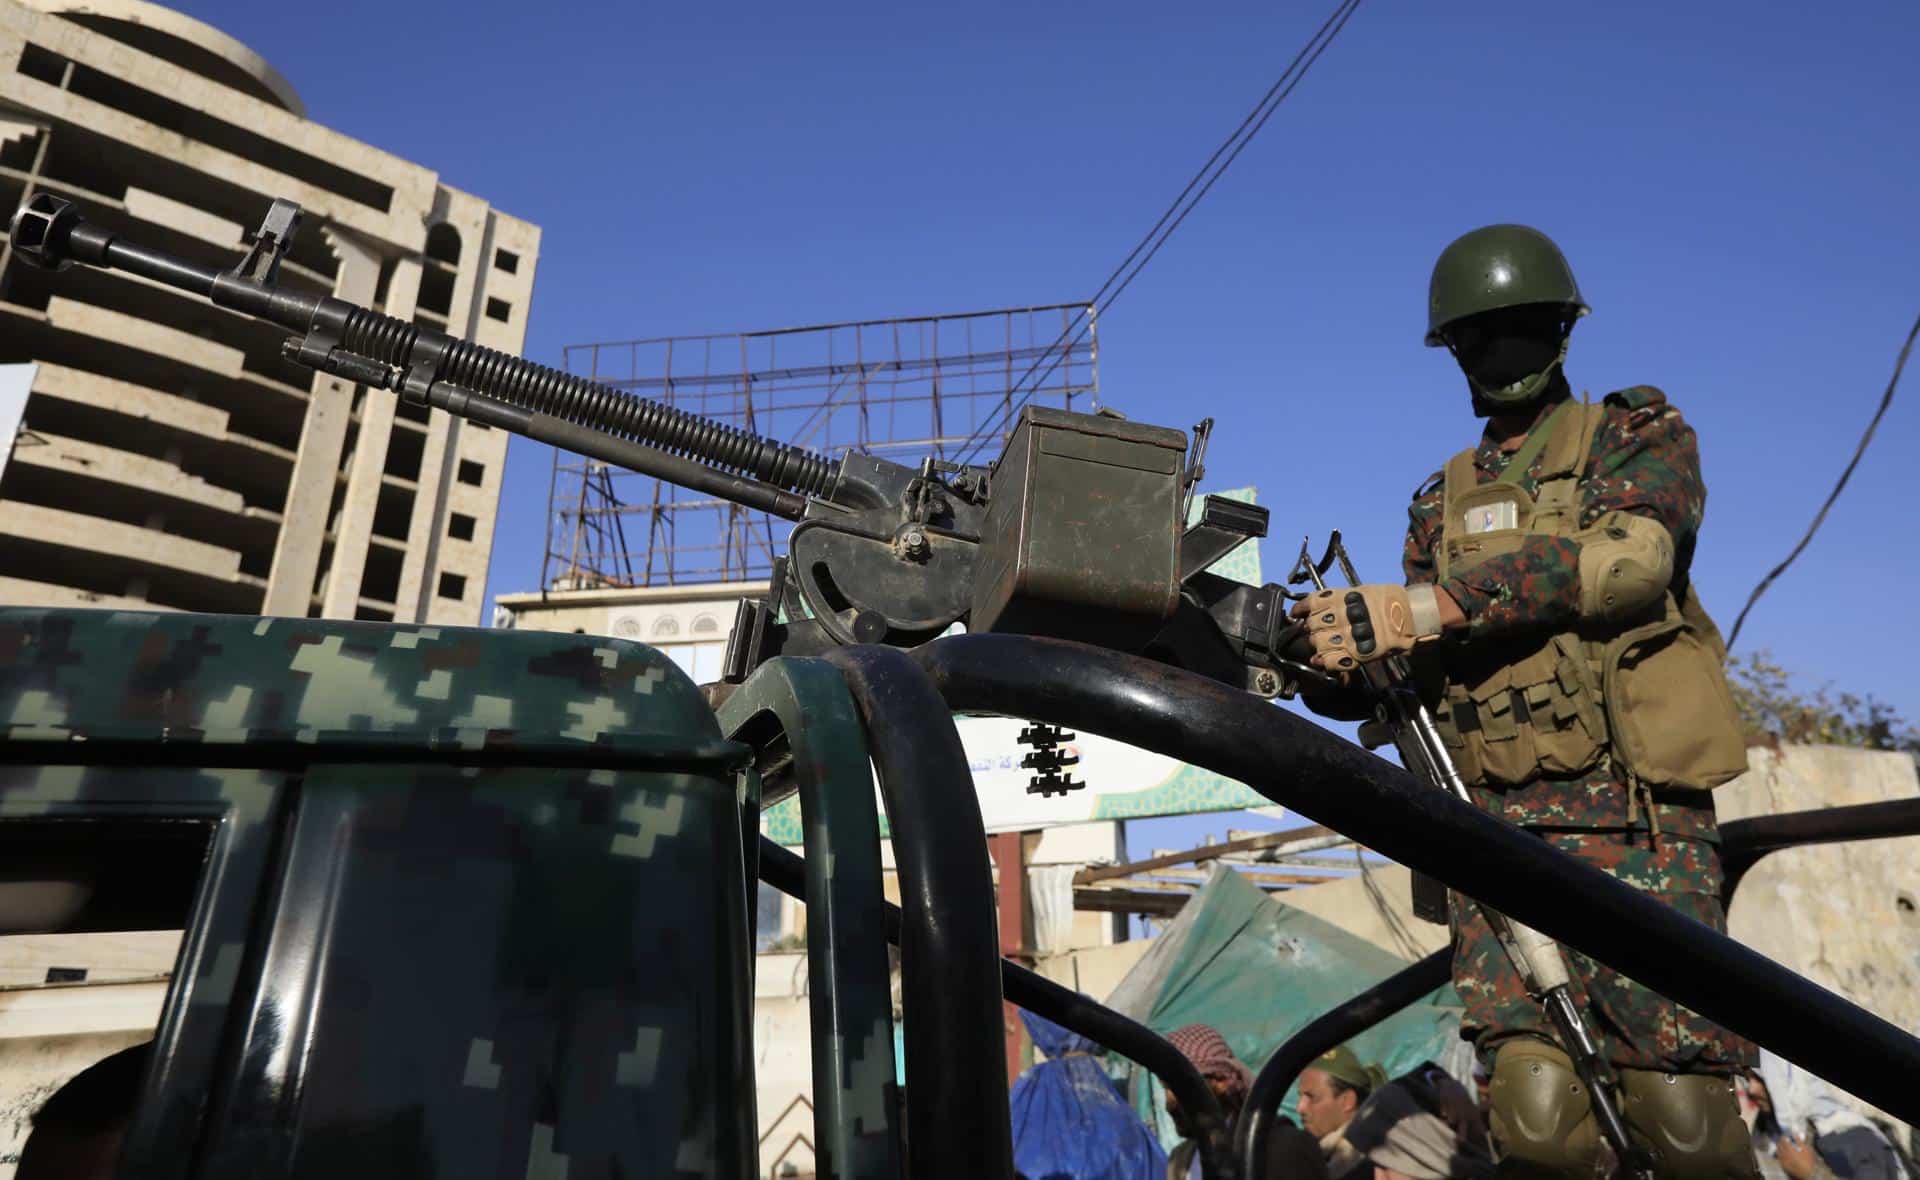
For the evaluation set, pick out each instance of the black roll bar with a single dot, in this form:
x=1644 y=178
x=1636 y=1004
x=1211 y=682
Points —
x=1744 y=841
x=956 y=1078
x=1296 y=763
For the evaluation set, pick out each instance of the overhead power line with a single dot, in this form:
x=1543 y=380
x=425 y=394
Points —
x=1143 y=251
x=1886 y=399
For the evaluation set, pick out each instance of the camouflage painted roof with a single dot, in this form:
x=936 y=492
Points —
x=243 y=679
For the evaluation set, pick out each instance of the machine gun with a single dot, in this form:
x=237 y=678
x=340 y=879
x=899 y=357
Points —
x=1401 y=717
x=1076 y=532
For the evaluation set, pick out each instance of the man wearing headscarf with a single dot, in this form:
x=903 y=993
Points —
x=1331 y=1090
x=1291 y=1154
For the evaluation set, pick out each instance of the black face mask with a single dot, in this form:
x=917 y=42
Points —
x=1509 y=355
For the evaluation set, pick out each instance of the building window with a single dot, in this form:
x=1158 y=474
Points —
x=706 y=625
x=499 y=309
x=436 y=293
x=43 y=65
x=702 y=662
x=473 y=473
x=453 y=586
x=460 y=526
x=666 y=625
x=506 y=260
x=443 y=243
x=385 y=283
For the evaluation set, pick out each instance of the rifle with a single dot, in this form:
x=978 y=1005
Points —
x=1076 y=531
x=1400 y=716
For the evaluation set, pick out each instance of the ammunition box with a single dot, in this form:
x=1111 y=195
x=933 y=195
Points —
x=1082 y=537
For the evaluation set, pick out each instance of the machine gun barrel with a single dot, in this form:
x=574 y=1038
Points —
x=1085 y=539
x=429 y=367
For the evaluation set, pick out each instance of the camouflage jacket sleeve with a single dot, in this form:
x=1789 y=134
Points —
x=1423 y=529
x=1644 y=460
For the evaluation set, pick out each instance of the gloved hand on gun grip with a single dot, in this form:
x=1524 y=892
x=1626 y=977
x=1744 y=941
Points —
x=1353 y=625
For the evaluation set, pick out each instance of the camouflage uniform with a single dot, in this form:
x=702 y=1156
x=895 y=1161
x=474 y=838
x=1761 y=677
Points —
x=1643 y=460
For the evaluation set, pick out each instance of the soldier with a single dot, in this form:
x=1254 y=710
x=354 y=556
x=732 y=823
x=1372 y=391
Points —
x=1331 y=1089
x=1579 y=687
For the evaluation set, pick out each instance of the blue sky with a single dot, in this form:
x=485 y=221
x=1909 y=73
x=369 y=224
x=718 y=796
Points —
x=1736 y=186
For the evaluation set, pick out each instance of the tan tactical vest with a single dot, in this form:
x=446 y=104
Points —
x=1649 y=693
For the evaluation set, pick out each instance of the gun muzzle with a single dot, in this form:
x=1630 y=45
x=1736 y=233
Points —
x=51 y=233
x=42 y=229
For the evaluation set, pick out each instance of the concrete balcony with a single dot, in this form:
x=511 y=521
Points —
x=59 y=472
x=132 y=418
x=128 y=349
x=27 y=592
x=104 y=556
x=135 y=331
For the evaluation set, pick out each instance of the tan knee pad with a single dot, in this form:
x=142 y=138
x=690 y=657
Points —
x=1691 y=1122
x=1542 y=1117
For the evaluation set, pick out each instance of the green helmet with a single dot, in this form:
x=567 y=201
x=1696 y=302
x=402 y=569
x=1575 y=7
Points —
x=1495 y=267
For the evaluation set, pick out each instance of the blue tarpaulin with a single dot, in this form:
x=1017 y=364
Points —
x=1069 y=1119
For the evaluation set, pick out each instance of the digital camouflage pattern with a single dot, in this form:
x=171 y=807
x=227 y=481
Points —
x=1644 y=459
x=399 y=966
x=804 y=707
x=1636 y=1028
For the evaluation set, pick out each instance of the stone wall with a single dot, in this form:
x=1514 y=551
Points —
x=1846 y=916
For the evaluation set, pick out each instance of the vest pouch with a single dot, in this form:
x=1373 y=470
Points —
x=1672 y=715
x=1465 y=755
x=1490 y=521
x=1491 y=721
x=1538 y=715
x=1570 y=728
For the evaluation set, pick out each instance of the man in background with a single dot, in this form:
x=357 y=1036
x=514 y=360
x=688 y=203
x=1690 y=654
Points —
x=1331 y=1090
x=1291 y=1153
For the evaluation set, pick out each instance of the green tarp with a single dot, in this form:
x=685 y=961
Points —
x=1259 y=970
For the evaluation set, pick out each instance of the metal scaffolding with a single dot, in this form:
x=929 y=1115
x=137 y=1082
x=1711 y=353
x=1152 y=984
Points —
x=900 y=388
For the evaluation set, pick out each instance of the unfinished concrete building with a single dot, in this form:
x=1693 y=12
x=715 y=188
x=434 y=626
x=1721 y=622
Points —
x=165 y=455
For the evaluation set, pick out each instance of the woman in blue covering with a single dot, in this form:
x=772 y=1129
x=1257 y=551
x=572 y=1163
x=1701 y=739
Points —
x=1069 y=1119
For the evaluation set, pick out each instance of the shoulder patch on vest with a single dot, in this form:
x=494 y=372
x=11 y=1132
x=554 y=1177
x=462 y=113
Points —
x=1643 y=404
x=1637 y=397
x=1430 y=485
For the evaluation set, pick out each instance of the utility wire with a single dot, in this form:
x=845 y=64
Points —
x=1143 y=251
x=1886 y=399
